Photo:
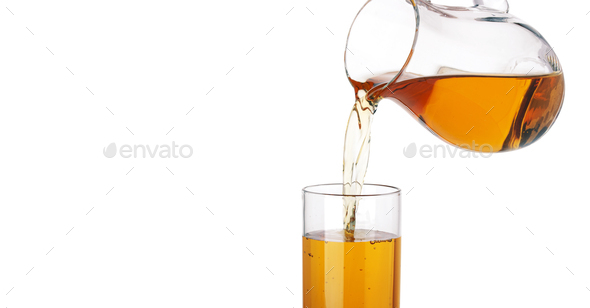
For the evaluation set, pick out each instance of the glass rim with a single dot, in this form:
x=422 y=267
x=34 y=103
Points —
x=394 y=190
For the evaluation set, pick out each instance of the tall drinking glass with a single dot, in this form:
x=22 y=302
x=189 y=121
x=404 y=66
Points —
x=351 y=271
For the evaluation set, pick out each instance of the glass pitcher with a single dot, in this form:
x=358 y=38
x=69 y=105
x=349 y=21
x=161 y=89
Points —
x=477 y=77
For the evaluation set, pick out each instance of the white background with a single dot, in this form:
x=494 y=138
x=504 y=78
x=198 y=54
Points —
x=273 y=123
